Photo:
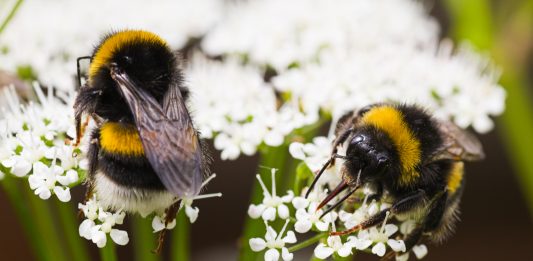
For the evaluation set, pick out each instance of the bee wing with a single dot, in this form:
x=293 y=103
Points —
x=458 y=144
x=169 y=140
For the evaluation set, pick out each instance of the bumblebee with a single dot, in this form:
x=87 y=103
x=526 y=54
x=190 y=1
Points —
x=145 y=153
x=410 y=159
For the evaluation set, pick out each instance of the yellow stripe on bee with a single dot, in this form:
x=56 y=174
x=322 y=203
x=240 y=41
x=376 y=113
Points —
x=455 y=177
x=390 y=120
x=118 y=138
x=115 y=42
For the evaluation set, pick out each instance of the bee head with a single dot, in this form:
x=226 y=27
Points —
x=370 y=156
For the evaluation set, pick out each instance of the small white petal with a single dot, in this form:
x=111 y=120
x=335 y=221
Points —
x=63 y=194
x=283 y=211
x=322 y=251
x=98 y=237
x=43 y=193
x=157 y=224
x=379 y=249
x=396 y=245
x=288 y=198
x=302 y=226
x=296 y=150
x=192 y=213
x=119 y=236
x=172 y=224
x=255 y=211
x=300 y=202
x=85 y=229
x=257 y=244
x=390 y=229
x=420 y=251
x=269 y=214
x=285 y=255
x=272 y=255
x=290 y=238
x=322 y=226
x=345 y=250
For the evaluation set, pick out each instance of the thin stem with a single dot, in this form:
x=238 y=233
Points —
x=67 y=216
x=46 y=226
x=271 y=157
x=23 y=213
x=10 y=15
x=144 y=240
x=108 y=253
x=308 y=242
x=181 y=237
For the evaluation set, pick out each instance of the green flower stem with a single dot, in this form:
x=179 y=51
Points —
x=27 y=220
x=10 y=15
x=270 y=157
x=144 y=240
x=108 y=253
x=181 y=237
x=67 y=216
x=45 y=225
x=308 y=242
x=473 y=20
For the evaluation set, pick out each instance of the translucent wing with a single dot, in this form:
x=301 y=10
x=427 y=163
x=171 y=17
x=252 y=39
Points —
x=458 y=144
x=169 y=140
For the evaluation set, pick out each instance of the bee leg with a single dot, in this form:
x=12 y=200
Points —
x=404 y=204
x=92 y=158
x=170 y=215
x=340 y=139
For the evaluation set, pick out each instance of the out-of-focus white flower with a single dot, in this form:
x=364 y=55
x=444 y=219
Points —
x=54 y=61
x=307 y=218
x=272 y=204
x=303 y=29
x=420 y=252
x=99 y=223
x=334 y=245
x=232 y=104
x=186 y=203
x=275 y=243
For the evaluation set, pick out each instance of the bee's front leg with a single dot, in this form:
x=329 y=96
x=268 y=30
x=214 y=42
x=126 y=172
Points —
x=170 y=214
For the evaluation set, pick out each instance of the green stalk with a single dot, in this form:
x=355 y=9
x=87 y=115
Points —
x=10 y=15
x=473 y=22
x=26 y=218
x=308 y=242
x=270 y=157
x=181 y=238
x=108 y=253
x=144 y=240
x=67 y=217
x=45 y=225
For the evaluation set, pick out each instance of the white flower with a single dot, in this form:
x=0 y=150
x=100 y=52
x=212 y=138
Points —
x=420 y=252
x=380 y=238
x=274 y=242
x=54 y=61
x=43 y=181
x=186 y=202
x=158 y=223
x=272 y=204
x=306 y=219
x=99 y=223
x=334 y=245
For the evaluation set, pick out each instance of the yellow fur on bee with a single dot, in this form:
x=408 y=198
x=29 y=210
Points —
x=117 y=41
x=390 y=120
x=455 y=177
x=118 y=138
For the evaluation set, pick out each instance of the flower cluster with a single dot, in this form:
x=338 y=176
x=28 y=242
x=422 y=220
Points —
x=99 y=223
x=60 y=37
x=33 y=144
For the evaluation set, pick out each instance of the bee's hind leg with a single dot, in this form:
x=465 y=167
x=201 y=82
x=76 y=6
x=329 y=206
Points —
x=170 y=215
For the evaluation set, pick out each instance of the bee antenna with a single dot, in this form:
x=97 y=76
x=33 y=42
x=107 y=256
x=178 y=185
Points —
x=317 y=177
